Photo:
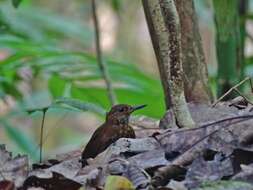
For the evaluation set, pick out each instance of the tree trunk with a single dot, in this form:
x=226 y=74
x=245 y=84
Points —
x=159 y=37
x=194 y=67
x=164 y=26
x=194 y=64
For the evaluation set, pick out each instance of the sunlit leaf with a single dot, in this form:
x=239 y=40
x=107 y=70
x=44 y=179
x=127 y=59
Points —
x=99 y=96
x=56 y=86
x=118 y=182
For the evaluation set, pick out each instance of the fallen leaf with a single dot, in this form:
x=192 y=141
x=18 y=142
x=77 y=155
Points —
x=118 y=182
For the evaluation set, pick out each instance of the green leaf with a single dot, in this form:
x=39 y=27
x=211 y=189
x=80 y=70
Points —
x=98 y=96
x=56 y=86
x=16 y=3
x=114 y=182
x=155 y=106
x=33 y=22
x=22 y=140
x=94 y=95
x=75 y=68
x=131 y=84
x=10 y=89
x=80 y=105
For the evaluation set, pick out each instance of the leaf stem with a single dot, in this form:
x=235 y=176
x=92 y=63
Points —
x=41 y=131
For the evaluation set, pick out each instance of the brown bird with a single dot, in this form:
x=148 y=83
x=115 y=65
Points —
x=115 y=127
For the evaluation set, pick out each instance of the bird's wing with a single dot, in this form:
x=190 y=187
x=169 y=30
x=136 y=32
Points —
x=91 y=150
x=99 y=141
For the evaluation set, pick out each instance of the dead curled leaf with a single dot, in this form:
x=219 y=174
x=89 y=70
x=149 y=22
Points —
x=13 y=169
x=54 y=182
x=246 y=174
x=203 y=170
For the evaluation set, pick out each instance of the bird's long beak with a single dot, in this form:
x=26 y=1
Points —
x=138 y=107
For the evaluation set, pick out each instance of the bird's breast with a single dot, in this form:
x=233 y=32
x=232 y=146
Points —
x=126 y=131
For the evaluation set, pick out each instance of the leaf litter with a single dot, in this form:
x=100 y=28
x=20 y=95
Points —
x=218 y=153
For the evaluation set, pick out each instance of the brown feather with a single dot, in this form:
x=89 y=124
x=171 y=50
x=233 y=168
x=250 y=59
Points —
x=115 y=127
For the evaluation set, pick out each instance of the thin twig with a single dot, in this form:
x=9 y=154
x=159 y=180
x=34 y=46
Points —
x=244 y=97
x=142 y=128
x=207 y=124
x=101 y=63
x=215 y=131
x=188 y=155
x=251 y=85
x=229 y=91
x=41 y=132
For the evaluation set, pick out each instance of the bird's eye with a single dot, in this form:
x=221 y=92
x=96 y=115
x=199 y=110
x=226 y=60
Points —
x=121 y=110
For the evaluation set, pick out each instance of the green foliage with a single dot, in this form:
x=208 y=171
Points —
x=116 y=5
x=83 y=106
x=228 y=44
x=225 y=17
x=33 y=23
x=56 y=86
x=16 y=3
x=81 y=72
x=22 y=140
x=34 y=38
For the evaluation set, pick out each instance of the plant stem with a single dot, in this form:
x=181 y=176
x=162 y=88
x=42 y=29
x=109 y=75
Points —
x=101 y=63
x=41 y=132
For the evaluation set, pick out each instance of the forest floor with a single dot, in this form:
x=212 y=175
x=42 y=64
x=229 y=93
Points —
x=218 y=154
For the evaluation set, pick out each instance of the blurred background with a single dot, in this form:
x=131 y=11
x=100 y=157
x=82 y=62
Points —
x=47 y=51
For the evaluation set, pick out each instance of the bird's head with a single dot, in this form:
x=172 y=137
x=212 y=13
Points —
x=119 y=114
